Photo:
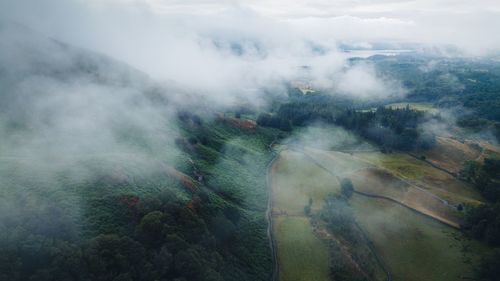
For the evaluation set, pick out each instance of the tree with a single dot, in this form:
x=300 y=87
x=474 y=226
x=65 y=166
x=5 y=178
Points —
x=489 y=267
x=109 y=256
x=346 y=188
x=151 y=227
x=307 y=210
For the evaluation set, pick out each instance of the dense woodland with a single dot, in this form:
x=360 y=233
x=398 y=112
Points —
x=147 y=226
x=449 y=82
x=166 y=240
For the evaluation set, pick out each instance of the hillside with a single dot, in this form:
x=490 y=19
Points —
x=105 y=177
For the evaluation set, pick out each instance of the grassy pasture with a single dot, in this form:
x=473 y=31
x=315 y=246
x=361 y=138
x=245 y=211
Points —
x=301 y=255
x=424 y=175
x=379 y=182
x=295 y=180
x=415 y=247
x=451 y=154
x=368 y=178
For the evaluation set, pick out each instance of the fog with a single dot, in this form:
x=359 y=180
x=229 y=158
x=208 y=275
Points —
x=225 y=55
x=91 y=91
x=75 y=102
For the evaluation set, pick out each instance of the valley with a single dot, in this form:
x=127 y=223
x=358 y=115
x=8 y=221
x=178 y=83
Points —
x=247 y=161
x=406 y=208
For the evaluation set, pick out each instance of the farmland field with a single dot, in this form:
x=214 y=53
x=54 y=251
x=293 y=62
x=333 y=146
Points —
x=426 y=176
x=415 y=247
x=301 y=254
x=412 y=245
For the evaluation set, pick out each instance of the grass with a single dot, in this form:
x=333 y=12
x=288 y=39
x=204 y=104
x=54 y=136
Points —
x=296 y=180
x=301 y=255
x=423 y=174
x=338 y=162
x=451 y=154
x=401 y=164
x=415 y=247
x=370 y=179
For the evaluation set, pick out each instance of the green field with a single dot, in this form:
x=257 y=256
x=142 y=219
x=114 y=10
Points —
x=415 y=247
x=296 y=180
x=369 y=176
x=412 y=246
x=423 y=174
x=301 y=255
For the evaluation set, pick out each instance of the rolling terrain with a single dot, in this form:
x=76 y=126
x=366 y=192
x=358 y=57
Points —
x=406 y=207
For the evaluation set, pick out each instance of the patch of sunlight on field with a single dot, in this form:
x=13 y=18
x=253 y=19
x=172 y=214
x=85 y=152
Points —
x=421 y=106
x=301 y=255
x=415 y=247
x=424 y=175
x=399 y=163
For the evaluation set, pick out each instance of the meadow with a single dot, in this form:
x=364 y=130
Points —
x=412 y=246
x=415 y=247
x=294 y=182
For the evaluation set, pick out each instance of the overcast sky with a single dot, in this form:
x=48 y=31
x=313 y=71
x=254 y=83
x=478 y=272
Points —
x=191 y=41
x=472 y=25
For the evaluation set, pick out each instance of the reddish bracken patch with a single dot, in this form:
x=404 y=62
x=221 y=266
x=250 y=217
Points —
x=240 y=123
x=185 y=180
x=130 y=200
x=194 y=204
x=190 y=205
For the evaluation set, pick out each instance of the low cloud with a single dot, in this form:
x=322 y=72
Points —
x=228 y=54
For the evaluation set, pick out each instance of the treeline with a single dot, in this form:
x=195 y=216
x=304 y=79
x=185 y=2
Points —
x=392 y=129
x=300 y=110
x=273 y=121
x=306 y=109
x=480 y=125
x=483 y=222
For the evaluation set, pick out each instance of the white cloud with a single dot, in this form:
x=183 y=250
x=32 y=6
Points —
x=221 y=47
